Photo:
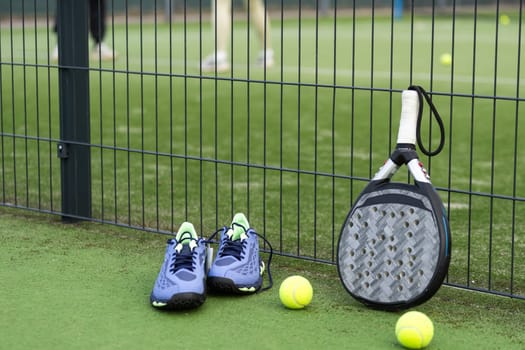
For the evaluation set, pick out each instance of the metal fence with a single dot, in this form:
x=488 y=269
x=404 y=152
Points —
x=177 y=7
x=148 y=139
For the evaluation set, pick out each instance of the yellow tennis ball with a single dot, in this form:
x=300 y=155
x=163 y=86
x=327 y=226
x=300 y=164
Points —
x=504 y=19
x=296 y=292
x=446 y=59
x=414 y=330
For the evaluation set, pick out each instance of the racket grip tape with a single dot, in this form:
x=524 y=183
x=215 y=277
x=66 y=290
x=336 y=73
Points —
x=409 y=115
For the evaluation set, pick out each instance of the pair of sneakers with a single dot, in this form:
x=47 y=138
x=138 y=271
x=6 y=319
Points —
x=218 y=61
x=183 y=281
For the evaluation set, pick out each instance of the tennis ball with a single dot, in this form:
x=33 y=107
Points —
x=504 y=19
x=414 y=330
x=446 y=59
x=296 y=292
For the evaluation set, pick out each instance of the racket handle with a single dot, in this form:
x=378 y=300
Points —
x=409 y=114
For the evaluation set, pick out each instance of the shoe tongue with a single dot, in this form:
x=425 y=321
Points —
x=239 y=227
x=186 y=235
x=187 y=243
x=237 y=232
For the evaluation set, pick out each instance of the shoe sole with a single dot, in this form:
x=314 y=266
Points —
x=227 y=286
x=182 y=301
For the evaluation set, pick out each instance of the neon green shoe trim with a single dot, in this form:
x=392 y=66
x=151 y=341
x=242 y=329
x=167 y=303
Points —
x=158 y=304
x=239 y=227
x=186 y=233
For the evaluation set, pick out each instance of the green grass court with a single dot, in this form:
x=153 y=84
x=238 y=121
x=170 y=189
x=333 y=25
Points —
x=291 y=147
x=87 y=287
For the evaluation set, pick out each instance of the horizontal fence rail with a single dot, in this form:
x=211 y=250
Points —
x=137 y=133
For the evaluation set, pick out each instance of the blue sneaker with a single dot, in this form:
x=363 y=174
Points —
x=237 y=267
x=181 y=280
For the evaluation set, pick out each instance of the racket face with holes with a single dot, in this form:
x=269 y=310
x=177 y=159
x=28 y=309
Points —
x=394 y=247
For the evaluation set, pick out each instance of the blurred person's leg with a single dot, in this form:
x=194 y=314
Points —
x=260 y=19
x=97 y=20
x=221 y=23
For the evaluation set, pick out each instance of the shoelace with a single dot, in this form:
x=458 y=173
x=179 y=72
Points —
x=235 y=248
x=183 y=258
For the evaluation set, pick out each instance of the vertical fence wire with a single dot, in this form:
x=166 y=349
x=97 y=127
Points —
x=2 y=145
x=332 y=133
x=515 y=151
x=471 y=147
x=451 y=116
x=493 y=151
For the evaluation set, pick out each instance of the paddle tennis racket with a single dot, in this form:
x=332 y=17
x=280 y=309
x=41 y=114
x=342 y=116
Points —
x=394 y=248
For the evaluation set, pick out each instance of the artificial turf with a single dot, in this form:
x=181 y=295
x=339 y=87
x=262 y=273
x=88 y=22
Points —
x=86 y=286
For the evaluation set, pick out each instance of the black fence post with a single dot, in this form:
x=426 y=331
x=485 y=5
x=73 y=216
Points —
x=74 y=149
